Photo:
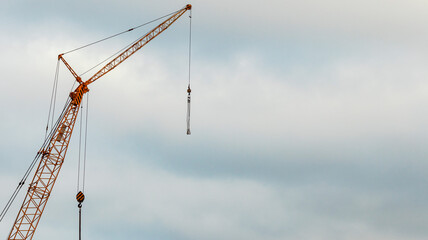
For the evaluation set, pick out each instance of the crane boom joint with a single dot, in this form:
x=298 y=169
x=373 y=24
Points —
x=77 y=95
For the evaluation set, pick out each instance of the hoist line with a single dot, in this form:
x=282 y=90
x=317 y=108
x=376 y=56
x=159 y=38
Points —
x=33 y=163
x=86 y=141
x=80 y=221
x=190 y=42
x=188 y=86
x=80 y=146
x=84 y=163
x=117 y=34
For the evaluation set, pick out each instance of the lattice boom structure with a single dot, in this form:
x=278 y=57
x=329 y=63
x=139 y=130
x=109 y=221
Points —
x=52 y=155
x=44 y=179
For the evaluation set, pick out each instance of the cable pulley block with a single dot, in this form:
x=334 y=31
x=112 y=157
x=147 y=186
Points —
x=80 y=197
x=188 y=110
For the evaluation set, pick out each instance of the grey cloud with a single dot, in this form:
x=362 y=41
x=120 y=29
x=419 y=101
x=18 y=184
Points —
x=294 y=137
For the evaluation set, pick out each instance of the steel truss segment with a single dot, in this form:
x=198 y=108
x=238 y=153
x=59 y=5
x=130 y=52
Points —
x=45 y=177
x=137 y=45
x=52 y=156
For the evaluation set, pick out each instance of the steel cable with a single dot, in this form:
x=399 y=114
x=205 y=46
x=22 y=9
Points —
x=86 y=141
x=53 y=95
x=33 y=163
x=117 y=34
x=188 y=132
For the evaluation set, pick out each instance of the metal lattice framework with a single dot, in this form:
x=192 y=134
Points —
x=53 y=155
x=45 y=177
x=138 y=45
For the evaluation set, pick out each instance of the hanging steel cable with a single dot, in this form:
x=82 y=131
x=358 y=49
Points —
x=86 y=142
x=80 y=197
x=188 y=86
x=53 y=99
x=83 y=137
x=80 y=147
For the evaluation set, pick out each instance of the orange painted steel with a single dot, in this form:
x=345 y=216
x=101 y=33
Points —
x=45 y=177
x=138 y=45
x=78 y=79
x=53 y=155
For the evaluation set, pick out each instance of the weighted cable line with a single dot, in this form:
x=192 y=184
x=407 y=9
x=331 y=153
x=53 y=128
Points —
x=188 y=132
x=86 y=141
x=80 y=147
x=81 y=170
x=80 y=194
x=190 y=42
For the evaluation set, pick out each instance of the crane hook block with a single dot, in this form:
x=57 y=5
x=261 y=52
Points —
x=188 y=109
x=80 y=197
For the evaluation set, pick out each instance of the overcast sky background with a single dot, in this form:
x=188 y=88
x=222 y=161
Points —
x=309 y=119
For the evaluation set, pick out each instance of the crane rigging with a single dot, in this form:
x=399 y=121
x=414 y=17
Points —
x=53 y=151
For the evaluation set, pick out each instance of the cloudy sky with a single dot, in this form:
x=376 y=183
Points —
x=309 y=119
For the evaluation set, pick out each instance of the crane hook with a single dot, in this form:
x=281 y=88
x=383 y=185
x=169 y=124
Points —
x=188 y=109
x=80 y=197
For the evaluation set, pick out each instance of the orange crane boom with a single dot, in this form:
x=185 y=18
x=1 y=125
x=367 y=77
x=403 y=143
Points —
x=53 y=154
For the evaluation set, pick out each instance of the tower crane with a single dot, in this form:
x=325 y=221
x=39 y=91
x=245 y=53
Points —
x=52 y=153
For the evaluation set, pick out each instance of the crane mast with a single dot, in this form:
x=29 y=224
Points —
x=53 y=154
